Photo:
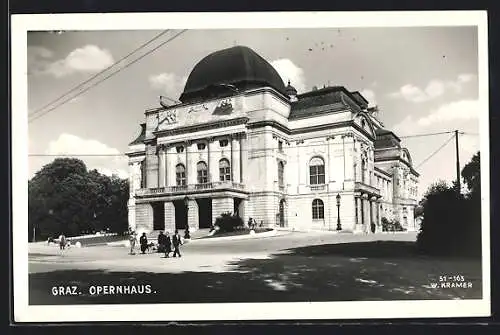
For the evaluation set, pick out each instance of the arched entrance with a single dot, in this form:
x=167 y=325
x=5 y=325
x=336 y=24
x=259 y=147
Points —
x=282 y=213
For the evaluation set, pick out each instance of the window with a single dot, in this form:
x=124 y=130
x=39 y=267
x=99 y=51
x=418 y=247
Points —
x=281 y=172
x=180 y=175
x=179 y=149
x=224 y=170
x=202 y=170
x=201 y=146
x=280 y=146
x=318 y=209
x=316 y=171
x=223 y=143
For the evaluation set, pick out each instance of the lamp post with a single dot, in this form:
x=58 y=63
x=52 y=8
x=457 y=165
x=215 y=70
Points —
x=186 y=203
x=339 y=226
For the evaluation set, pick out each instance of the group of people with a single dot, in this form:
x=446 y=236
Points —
x=166 y=244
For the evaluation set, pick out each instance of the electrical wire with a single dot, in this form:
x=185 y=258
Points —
x=99 y=73
x=435 y=152
x=107 y=77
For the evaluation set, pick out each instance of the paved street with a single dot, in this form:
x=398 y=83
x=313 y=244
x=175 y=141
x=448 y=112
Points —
x=318 y=266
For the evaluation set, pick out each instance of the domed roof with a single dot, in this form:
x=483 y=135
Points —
x=238 y=68
x=290 y=90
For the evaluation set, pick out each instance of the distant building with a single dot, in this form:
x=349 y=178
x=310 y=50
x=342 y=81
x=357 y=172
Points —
x=241 y=141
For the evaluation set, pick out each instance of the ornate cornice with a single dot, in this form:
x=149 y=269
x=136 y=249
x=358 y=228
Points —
x=201 y=127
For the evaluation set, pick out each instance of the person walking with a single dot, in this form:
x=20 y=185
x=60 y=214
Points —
x=143 y=241
x=62 y=242
x=161 y=242
x=168 y=245
x=176 y=241
x=132 y=239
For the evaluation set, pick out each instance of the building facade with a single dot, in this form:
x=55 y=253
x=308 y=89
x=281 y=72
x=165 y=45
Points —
x=240 y=141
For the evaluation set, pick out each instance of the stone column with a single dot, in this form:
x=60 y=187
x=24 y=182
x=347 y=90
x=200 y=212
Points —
x=169 y=217
x=366 y=213
x=213 y=169
x=235 y=160
x=357 y=225
x=131 y=213
x=162 y=168
x=190 y=176
x=193 y=215
x=168 y=167
x=151 y=167
x=243 y=155
x=144 y=218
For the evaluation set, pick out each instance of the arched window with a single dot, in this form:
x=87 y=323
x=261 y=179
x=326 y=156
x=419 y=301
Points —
x=316 y=171
x=281 y=174
x=202 y=170
x=318 y=209
x=180 y=175
x=224 y=170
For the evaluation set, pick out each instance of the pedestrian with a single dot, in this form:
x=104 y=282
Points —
x=187 y=236
x=162 y=241
x=62 y=242
x=168 y=245
x=176 y=241
x=143 y=241
x=132 y=239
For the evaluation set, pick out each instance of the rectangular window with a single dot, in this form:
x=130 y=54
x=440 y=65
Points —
x=318 y=212
x=280 y=146
x=225 y=173
x=223 y=143
x=181 y=178
x=317 y=174
x=202 y=176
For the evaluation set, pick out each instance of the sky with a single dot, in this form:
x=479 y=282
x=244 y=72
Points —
x=423 y=79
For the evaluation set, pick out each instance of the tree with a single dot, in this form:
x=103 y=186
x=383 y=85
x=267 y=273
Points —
x=63 y=197
x=471 y=173
x=452 y=222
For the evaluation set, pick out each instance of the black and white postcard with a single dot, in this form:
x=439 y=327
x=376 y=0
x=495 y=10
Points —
x=250 y=166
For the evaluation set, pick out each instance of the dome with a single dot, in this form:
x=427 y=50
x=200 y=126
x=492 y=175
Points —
x=237 y=68
x=290 y=90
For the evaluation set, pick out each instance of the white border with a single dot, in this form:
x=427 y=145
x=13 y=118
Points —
x=264 y=311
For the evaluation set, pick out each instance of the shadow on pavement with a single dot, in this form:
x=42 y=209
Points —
x=379 y=270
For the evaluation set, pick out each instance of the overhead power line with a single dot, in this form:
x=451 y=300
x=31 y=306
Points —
x=285 y=148
x=107 y=77
x=429 y=134
x=100 y=72
x=435 y=152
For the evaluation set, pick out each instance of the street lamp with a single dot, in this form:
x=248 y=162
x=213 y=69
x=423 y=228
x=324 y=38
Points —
x=186 y=203
x=339 y=226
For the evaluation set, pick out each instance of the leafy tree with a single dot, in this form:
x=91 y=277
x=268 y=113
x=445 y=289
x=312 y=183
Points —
x=63 y=197
x=471 y=174
x=452 y=222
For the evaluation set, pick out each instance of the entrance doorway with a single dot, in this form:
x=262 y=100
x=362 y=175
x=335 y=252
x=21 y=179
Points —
x=181 y=218
x=282 y=213
x=205 y=212
x=236 y=206
x=158 y=216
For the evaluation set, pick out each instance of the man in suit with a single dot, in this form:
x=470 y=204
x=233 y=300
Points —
x=168 y=245
x=176 y=241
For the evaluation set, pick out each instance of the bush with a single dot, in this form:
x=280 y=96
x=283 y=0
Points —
x=228 y=223
x=385 y=224
x=451 y=224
